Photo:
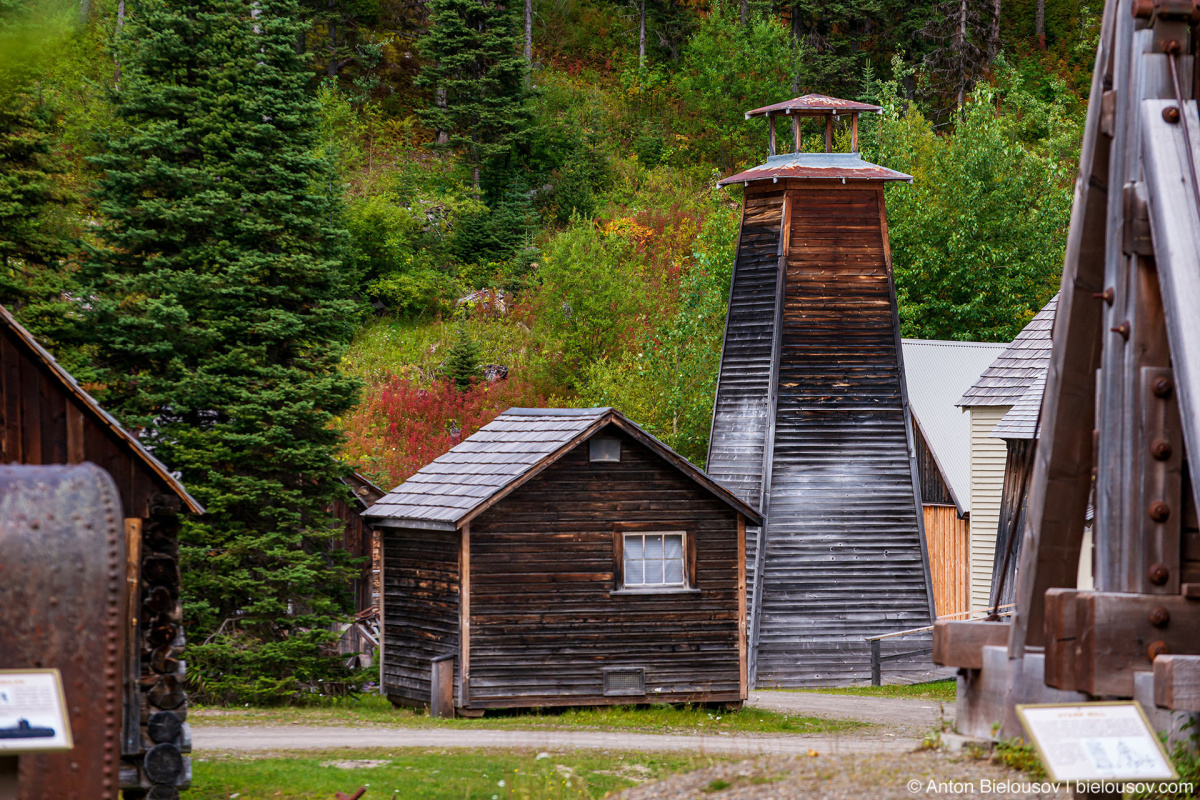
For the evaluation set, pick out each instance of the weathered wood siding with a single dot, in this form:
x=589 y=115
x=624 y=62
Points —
x=358 y=539
x=988 y=457
x=742 y=411
x=1018 y=467
x=949 y=559
x=420 y=608
x=544 y=620
x=934 y=490
x=41 y=423
x=843 y=555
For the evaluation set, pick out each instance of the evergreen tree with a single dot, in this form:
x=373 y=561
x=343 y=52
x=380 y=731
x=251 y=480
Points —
x=218 y=313
x=462 y=362
x=477 y=73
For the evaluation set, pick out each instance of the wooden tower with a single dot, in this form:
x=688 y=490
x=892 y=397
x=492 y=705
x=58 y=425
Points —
x=811 y=421
x=1119 y=423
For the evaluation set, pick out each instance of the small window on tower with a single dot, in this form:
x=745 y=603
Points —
x=605 y=449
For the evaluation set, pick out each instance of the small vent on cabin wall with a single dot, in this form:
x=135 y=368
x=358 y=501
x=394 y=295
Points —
x=625 y=681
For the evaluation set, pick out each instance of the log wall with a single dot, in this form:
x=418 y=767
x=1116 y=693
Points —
x=545 y=622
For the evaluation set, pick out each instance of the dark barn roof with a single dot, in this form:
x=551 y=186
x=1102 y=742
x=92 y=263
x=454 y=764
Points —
x=504 y=454
x=1010 y=375
x=102 y=417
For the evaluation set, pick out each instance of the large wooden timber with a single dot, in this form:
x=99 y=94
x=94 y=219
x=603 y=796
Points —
x=1121 y=410
x=46 y=418
x=508 y=555
x=811 y=422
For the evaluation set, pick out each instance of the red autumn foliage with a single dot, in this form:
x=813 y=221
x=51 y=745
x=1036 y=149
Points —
x=400 y=426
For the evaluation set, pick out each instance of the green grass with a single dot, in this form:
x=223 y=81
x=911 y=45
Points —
x=434 y=774
x=372 y=710
x=941 y=691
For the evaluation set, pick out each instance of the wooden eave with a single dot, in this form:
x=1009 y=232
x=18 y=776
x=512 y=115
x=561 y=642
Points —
x=101 y=416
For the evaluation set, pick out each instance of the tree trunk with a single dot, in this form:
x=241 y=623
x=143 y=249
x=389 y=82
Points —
x=85 y=11
x=529 y=32
x=120 y=24
x=331 y=66
x=994 y=32
x=961 y=46
x=744 y=13
x=1040 y=24
x=439 y=99
x=642 y=34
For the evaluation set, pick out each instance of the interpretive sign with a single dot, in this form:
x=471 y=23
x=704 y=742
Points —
x=33 y=712
x=1096 y=741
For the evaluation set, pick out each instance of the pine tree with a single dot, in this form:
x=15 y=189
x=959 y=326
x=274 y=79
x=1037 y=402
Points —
x=218 y=314
x=477 y=73
x=462 y=362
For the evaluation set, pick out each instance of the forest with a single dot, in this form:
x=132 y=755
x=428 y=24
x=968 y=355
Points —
x=284 y=239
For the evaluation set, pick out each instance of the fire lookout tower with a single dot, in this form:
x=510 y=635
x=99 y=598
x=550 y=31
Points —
x=811 y=422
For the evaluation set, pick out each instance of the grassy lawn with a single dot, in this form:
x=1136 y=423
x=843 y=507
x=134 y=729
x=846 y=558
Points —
x=420 y=774
x=372 y=710
x=942 y=691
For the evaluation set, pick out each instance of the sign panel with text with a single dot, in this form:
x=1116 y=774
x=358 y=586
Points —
x=1096 y=741
x=33 y=712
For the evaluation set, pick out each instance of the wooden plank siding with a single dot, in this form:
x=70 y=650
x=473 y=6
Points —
x=544 y=620
x=742 y=411
x=421 y=601
x=40 y=423
x=949 y=559
x=988 y=458
x=934 y=490
x=1017 y=469
x=843 y=553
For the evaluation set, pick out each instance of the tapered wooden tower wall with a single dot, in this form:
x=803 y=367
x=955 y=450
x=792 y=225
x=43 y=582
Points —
x=811 y=422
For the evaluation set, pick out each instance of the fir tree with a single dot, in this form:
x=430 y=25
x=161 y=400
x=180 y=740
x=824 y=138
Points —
x=218 y=314
x=477 y=74
x=462 y=362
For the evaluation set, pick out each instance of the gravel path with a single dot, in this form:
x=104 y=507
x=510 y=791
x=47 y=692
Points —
x=897 y=715
x=298 y=737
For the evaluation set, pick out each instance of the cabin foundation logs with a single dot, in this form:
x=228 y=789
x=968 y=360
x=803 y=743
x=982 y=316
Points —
x=154 y=764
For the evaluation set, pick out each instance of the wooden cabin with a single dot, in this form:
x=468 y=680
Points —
x=992 y=396
x=936 y=374
x=48 y=418
x=811 y=423
x=360 y=538
x=562 y=557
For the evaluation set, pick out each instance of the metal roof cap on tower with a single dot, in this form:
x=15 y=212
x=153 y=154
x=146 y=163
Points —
x=817 y=166
x=814 y=104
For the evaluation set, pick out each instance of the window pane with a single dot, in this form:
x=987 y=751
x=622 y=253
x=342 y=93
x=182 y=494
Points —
x=673 y=571
x=673 y=546
x=654 y=547
x=633 y=547
x=654 y=573
x=633 y=572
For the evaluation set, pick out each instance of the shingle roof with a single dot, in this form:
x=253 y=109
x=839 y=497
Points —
x=505 y=453
x=1005 y=381
x=103 y=418
x=809 y=103
x=936 y=374
x=1021 y=421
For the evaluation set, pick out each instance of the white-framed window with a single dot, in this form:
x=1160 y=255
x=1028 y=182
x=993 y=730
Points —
x=654 y=559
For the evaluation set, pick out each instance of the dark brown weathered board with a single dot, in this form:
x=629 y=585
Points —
x=47 y=418
x=545 y=622
x=421 y=602
x=934 y=491
x=843 y=554
x=1018 y=466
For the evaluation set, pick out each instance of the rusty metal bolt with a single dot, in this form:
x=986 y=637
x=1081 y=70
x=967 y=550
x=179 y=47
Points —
x=1159 y=511
x=1171 y=47
x=1142 y=9
x=1159 y=574
x=1161 y=449
x=1171 y=114
x=1160 y=616
x=1122 y=329
x=1163 y=387
x=1157 y=649
x=1108 y=295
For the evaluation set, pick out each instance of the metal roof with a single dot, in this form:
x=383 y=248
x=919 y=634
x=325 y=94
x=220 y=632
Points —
x=1021 y=421
x=814 y=104
x=937 y=373
x=815 y=166
x=502 y=455
x=1005 y=381
x=105 y=419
